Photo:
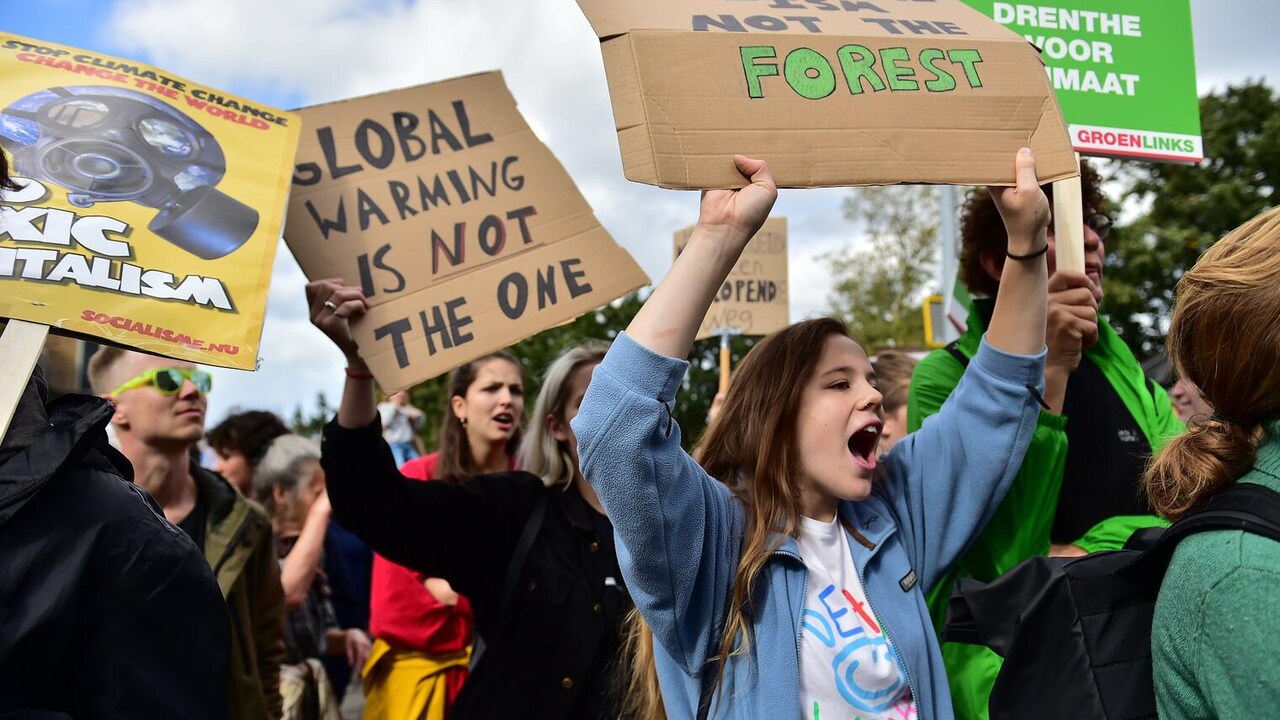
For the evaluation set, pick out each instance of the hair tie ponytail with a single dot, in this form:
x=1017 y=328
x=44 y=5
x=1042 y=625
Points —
x=1199 y=463
x=1224 y=419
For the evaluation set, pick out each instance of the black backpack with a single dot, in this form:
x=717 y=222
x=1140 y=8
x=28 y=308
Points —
x=1075 y=633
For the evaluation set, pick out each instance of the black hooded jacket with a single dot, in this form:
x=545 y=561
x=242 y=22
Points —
x=106 y=609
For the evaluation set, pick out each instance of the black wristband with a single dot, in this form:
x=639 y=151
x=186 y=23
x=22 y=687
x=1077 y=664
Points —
x=1028 y=256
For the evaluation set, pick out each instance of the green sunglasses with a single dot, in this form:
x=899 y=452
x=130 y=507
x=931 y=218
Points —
x=168 y=381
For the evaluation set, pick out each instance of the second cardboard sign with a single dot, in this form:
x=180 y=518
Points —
x=829 y=93
x=463 y=230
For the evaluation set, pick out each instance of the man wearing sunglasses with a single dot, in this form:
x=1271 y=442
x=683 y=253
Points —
x=159 y=416
x=1079 y=487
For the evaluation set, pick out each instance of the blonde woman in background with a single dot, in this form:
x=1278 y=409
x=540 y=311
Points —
x=1215 y=631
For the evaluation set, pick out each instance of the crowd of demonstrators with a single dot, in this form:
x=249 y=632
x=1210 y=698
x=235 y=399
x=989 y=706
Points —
x=1079 y=488
x=240 y=442
x=424 y=630
x=799 y=560
x=781 y=522
x=290 y=484
x=893 y=370
x=401 y=423
x=159 y=415
x=1215 y=628
x=531 y=549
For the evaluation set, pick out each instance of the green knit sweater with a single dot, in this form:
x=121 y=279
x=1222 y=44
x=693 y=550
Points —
x=1216 y=631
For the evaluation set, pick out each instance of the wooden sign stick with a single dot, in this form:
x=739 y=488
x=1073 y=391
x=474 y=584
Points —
x=724 y=361
x=1068 y=223
x=19 y=350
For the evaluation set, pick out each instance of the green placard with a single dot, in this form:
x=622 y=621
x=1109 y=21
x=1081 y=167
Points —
x=1124 y=72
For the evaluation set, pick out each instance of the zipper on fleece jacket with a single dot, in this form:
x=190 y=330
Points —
x=804 y=588
x=897 y=652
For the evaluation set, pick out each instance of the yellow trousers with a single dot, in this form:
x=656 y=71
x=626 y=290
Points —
x=407 y=685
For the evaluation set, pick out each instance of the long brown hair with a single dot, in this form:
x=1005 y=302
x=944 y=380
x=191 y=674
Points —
x=1224 y=337
x=749 y=446
x=455 y=461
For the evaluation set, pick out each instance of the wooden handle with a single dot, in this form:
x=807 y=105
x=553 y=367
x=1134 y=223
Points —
x=724 y=363
x=1068 y=223
x=19 y=351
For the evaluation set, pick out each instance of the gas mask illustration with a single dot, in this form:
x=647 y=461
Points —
x=106 y=144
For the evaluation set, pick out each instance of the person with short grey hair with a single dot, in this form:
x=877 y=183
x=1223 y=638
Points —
x=290 y=484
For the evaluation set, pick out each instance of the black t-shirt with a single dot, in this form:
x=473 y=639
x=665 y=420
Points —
x=1107 y=452
x=193 y=523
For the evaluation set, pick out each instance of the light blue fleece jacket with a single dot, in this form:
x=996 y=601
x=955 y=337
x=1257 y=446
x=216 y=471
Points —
x=679 y=530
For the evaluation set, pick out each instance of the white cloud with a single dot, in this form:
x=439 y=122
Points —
x=296 y=360
x=324 y=50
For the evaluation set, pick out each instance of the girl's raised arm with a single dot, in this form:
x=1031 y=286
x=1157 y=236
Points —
x=1018 y=323
x=668 y=322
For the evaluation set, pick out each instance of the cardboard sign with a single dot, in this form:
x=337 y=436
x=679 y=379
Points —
x=753 y=300
x=1124 y=73
x=150 y=206
x=464 y=231
x=829 y=92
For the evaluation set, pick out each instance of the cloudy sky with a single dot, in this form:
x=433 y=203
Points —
x=291 y=53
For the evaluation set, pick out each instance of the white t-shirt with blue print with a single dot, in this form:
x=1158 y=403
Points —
x=848 y=669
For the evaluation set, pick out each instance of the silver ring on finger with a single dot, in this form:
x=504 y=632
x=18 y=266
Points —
x=329 y=304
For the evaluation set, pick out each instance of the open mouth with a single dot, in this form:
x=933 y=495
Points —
x=505 y=421
x=863 y=445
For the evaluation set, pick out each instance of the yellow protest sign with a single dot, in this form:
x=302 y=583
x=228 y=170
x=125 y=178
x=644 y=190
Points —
x=754 y=299
x=463 y=230
x=150 y=205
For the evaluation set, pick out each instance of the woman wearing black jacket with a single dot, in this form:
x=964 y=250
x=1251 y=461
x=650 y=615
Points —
x=532 y=550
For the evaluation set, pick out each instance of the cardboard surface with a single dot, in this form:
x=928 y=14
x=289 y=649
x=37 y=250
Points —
x=151 y=205
x=463 y=230
x=830 y=93
x=754 y=299
x=1124 y=73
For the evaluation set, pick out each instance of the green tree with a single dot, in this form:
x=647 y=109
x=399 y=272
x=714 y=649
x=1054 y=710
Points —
x=309 y=424
x=1190 y=207
x=879 y=289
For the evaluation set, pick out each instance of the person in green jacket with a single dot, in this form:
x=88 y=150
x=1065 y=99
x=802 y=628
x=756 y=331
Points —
x=1215 y=629
x=1078 y=490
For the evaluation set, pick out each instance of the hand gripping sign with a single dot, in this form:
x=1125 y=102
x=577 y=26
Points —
x=463 y=230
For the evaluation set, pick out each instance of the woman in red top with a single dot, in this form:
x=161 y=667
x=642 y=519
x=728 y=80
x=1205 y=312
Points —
x=423 y=629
